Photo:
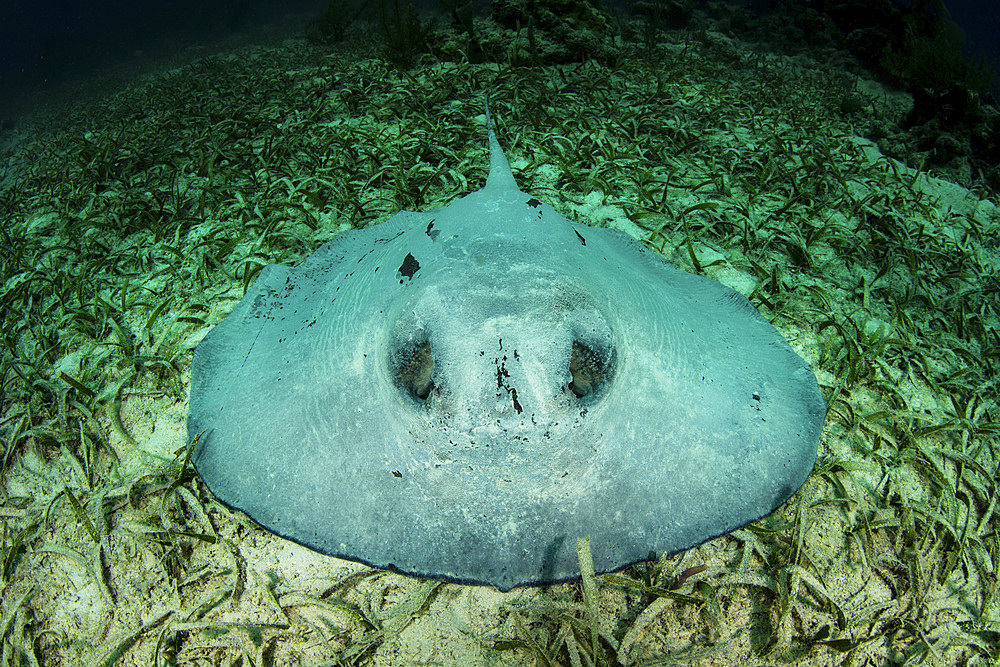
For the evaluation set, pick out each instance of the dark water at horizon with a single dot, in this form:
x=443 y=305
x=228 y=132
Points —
x=45 y=44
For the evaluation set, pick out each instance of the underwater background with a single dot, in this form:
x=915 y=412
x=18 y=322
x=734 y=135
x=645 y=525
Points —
x=836 y=162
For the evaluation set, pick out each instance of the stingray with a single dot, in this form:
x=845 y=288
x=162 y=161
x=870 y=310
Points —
x=462 y=393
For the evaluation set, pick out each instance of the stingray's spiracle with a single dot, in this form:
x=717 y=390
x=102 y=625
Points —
x=414 y=370
x=590 y=369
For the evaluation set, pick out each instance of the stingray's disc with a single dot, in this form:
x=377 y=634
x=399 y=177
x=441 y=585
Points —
x=463 y=393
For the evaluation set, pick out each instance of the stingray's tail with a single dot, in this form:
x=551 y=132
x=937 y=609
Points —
x=500 y=177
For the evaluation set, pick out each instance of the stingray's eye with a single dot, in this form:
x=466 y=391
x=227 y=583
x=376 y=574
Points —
x=413 y=369
x=591 y=369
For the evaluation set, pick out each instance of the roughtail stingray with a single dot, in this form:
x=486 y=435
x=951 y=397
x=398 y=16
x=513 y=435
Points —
x=462 y=393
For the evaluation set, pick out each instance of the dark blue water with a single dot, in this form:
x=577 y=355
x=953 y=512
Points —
x=980 y=20
x=46 y=43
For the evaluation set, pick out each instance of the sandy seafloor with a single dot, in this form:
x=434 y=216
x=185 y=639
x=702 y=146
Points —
x=132 y=222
